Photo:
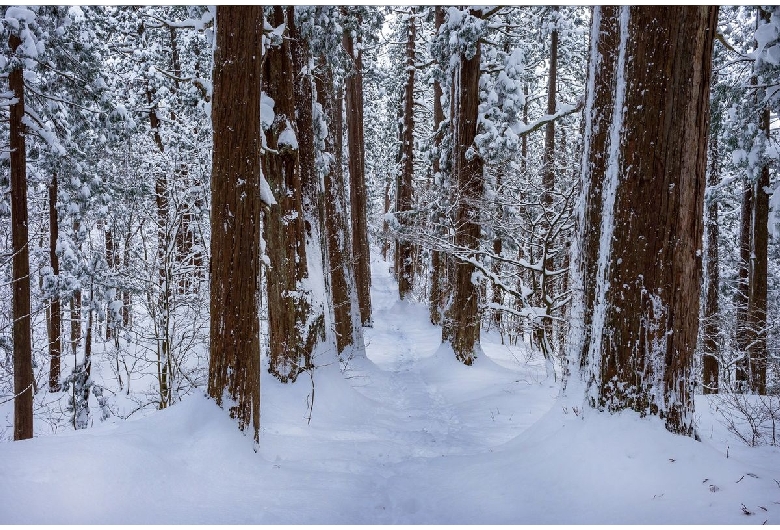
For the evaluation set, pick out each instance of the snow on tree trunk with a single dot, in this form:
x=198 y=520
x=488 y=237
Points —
x=643 y=319
x=293 y=333
x=357 y=178
x=404 y=269
x=710 y=366
x=234 y=367
x=757 y=300
x=467 y=172
x=338 y=241
x=439 y=286
x=543 y=330
x=313 y=280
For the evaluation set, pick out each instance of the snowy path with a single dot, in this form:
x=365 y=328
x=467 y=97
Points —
x=428 y=398
x=405 y=435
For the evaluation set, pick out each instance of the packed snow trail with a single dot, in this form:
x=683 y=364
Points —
x=405 y=435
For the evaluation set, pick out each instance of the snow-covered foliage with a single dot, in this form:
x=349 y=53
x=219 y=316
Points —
x=118 y=110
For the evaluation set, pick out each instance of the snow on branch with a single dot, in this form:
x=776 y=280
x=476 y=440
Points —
x=521 y=129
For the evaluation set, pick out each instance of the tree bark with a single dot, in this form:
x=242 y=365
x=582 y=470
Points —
x=757 y=302
x=23 y=371
x=55 y=309
x=357 y=179
x=311 y=195
x=644 y=318
x=234 y=366
x=405 y=269
x=469 y=179
x=710 y=366
x=108 y=238
x=346 y=314
x=744 y=329
x=543 y=331
x=291 y=336
x=605 y=38
x=438 y=259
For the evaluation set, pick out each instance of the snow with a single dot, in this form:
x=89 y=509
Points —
x=765 y=34
x=612 y=178
x=287 y=137
x=15 y=14
x=266 y=111
x=404 y=435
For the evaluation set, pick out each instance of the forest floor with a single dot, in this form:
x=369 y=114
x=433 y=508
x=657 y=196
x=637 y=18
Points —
x=405 y=435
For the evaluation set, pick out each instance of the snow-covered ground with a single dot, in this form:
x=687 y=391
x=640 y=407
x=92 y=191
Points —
x=407 y=435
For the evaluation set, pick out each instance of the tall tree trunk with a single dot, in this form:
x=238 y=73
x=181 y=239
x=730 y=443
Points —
x=111 y=261
x=543 y=332
x=757 y=302
x=438 y=258
x=23 y=371
x=55 y=308
x=644 y=317
x=311 y=198
x=346 y=313
x=385 y=224
x=469 y=179
x=292 y=335
x=163 y=262
x=405 y=269
x=234 y=365
x=744 y=330
x=127 y=299
x=710 y=367
x=548 y=162
x=357 y=178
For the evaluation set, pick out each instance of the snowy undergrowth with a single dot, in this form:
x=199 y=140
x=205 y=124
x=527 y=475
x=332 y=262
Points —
x=406 y=435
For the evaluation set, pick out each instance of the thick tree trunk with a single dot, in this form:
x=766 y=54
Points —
x=357 y=179
x=469 y=179
x=312 y=280
x=234 y=366
x=23 y=372
x=55 y=308
x=605 y=38
x=644 y=317
x=292 y=335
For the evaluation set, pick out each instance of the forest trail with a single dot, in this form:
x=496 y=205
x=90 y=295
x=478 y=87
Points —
x=429 y=405
x=405 y=435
